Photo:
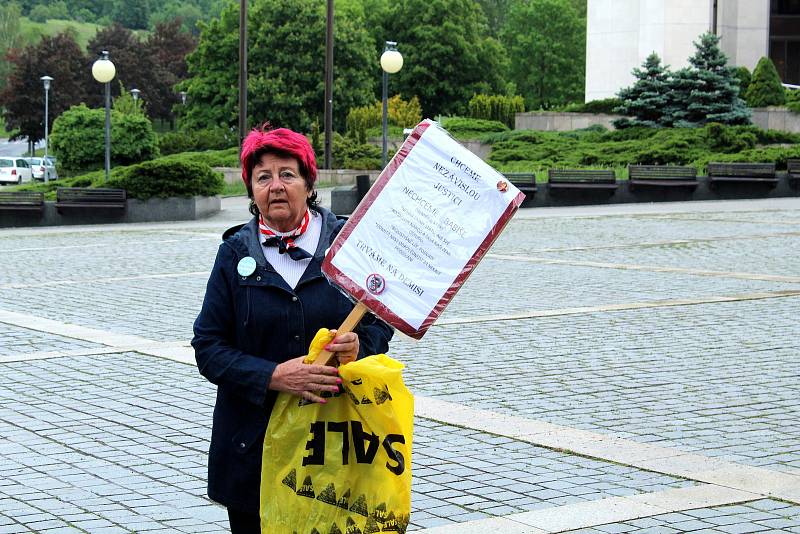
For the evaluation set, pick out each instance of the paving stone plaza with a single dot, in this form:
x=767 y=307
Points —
x=606 y=369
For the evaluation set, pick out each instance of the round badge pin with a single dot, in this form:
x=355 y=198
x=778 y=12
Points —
x=246 y=266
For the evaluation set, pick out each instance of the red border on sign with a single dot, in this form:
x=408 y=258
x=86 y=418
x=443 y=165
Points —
x=361 y=294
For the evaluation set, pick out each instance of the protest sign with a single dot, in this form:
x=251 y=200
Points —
x=421 y=230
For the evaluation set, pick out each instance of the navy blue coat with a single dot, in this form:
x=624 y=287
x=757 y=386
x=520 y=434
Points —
x=246 y=327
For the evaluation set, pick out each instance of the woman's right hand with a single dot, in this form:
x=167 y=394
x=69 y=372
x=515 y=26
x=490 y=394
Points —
x=305 y=380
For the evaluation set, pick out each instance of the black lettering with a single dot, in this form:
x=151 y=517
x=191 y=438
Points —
x=342 y=427
x=363 y=455
x=316 y=445
x=394 y=454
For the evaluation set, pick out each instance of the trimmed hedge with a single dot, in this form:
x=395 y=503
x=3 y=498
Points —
x=527 y=150
x=163 y=179
x=605 y=105
x=197 y=140
x=466 y=128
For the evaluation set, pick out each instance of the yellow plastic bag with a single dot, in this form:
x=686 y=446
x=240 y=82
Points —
x=343 y=467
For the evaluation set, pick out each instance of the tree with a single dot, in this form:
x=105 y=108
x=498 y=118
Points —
x=188 y=14
x=135 y=67
x=545 y=40
x=285 y=66
x=168 y=45
x=765 y=87
x=133 y=14
x=447 y=54
x=59 y=57
x=645 y=102
x=9 y=37
x=708 y=91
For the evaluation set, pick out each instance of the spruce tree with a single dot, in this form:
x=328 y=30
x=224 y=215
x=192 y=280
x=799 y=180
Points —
x=765 y=86
x=645 y=101
x=708 y=91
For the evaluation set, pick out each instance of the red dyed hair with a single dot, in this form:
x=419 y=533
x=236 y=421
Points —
x=281 y=140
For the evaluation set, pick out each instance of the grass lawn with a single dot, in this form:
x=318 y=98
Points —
x=31 y=31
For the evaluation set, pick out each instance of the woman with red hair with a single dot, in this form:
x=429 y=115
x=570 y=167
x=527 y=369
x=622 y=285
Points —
x=266 y=298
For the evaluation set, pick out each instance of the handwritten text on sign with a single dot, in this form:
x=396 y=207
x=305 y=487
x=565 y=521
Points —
x=424 y=226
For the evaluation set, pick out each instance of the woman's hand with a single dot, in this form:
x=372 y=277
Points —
x=305 y=380
x=344 y=347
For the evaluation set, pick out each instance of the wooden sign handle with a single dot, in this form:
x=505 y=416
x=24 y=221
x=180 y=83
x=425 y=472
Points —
x=349 y=323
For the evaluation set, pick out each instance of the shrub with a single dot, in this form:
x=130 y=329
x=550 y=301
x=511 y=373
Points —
x=527 y=151
x=78 y=138
x=466 y=128
x=196 y=140
x=605 y=105
x=164 y=178
x=213 y=158
x=348 y=153
x=500 y=108
x=793 y=100
x=405 y=114
x=765 y=87
x=401 y=113
x=743 y=75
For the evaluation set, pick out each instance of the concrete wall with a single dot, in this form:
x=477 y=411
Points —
x=620 y=34
x=153 y=210
x=774 y=118
x=560 y=122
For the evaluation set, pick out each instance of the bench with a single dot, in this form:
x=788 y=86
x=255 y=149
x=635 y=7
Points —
x=581 y=179
x=793 y=170
x=524 y=181
x=661 y=176
x=753 y=173
x=90 y=197
x=22 y=201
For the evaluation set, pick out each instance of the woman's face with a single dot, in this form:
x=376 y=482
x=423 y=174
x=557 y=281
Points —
x=279 y=191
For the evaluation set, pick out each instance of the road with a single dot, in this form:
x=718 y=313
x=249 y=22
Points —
x=627 y=368
x=13 y=148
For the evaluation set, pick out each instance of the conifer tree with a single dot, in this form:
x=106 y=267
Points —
x=708 y=91
x=765 y=86
x=645 y=101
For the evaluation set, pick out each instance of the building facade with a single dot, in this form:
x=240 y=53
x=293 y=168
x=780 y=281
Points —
x=620 y=34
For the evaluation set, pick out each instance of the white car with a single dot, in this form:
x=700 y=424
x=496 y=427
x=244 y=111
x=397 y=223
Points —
x=42 y=166
x=14 y=170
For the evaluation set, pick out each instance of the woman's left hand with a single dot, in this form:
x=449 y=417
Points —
x=344 y=347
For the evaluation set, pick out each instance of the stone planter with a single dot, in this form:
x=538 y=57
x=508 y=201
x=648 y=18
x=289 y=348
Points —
x=153 y=210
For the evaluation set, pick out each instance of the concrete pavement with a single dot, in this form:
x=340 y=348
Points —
x=620 y=369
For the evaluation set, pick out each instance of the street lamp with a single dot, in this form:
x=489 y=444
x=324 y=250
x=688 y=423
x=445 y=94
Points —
x=135 y=92
x=46 y=81
x=103 y=71
x=391 y=62
x=183 y=97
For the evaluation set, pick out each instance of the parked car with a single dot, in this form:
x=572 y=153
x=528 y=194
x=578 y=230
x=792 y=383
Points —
x=42 y=166
x=14 y=170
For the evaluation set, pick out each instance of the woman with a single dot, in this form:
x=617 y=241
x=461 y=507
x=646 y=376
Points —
x=266 y=298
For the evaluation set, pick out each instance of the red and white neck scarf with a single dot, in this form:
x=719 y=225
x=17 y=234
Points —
x=285 y=240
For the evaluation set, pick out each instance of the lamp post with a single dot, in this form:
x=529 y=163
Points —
x=103 y=71
x=135 y=92
x=391 y=62
x=46 y=81
x=183 y=97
